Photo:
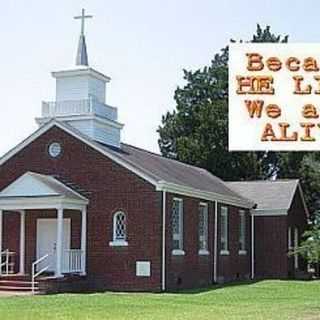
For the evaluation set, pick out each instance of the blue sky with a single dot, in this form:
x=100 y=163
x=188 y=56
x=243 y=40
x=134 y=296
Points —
x=142 y=45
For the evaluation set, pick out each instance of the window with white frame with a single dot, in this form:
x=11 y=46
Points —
x=177 y=225
x=203 y=228
x=242 y=231
x=289 y=239
x=224 y=230
x=119 y=227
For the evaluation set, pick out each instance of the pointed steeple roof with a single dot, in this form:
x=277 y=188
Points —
x=82 y=54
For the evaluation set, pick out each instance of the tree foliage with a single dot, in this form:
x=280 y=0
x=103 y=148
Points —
x=196 y=132
x=309 y=248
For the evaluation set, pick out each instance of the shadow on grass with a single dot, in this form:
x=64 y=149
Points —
x=214 y=287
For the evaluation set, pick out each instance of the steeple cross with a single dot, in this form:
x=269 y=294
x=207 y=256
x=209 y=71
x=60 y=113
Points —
x=83 y=17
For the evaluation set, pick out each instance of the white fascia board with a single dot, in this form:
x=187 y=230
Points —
x=269 y=212
x=80 y=72
x=53 y=123
x=88 y=116
x=200 y=194
x=160 y=185
x=34 y=203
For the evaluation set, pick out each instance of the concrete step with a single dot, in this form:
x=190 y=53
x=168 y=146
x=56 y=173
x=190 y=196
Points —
x=17 y=289
x=15 y=277
x=16 y=283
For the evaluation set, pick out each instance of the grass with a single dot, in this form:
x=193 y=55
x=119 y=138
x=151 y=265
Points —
x=260 y=300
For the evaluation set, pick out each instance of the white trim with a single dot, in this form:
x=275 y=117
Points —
x=205 y=237
x=269 y=212
x=22 y=241
x=224 y=212
x=58 y=272
x=118 y=243
x=289 y=238
x=181 y=226
x=200 y=194
x=164 y=241
x=215 y=262
x=144 y=174
x=84 y=240
x=80 y=72
x=87 y=116
x=242 y=252
x=203 y=252
x=224 y=252
x=81 y=137
x=178 y=252
x=53 y=202
x=252 y=247
x=114 y=237
x=243 y=224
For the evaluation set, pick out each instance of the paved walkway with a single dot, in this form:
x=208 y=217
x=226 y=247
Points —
x=13 y=294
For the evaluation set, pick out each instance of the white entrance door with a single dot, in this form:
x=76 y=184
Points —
x=47 y=241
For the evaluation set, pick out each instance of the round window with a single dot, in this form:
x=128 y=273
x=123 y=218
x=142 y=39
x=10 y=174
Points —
x=55 y=149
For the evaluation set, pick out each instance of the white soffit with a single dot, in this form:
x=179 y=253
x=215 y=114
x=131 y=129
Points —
x=28 y=186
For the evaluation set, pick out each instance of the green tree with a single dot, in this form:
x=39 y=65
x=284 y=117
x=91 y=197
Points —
x=197 y=131
x=309 y=248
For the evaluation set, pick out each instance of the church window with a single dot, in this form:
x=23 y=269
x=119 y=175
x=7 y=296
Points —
x=203 y=228
x=119 y=229
x=177 y=226
x=55 y=149
x=224 y=231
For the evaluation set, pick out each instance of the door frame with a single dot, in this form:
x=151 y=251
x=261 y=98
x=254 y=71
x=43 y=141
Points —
x=66 y=226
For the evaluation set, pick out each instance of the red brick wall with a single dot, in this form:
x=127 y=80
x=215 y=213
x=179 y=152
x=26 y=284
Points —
x=271 y=259
x=234 y=266
x=109 y=187
x=191 y=270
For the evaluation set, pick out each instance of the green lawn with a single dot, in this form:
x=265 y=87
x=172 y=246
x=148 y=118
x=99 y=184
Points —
x=261 y=300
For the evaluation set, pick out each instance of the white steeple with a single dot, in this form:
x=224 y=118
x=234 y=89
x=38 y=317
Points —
x=81 y=99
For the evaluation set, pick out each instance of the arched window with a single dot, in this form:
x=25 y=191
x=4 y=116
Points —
x=119 y=229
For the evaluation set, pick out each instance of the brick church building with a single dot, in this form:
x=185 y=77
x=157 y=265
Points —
x=81 y=210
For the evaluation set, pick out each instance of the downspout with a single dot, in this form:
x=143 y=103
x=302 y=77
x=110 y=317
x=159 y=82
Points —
x=215 y=262
x=252 y=246
x=163 y=240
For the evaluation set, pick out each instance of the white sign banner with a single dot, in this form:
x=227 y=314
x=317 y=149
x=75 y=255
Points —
x=274 y=97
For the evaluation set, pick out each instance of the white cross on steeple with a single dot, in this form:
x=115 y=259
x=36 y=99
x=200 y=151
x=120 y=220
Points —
x=83 y=17
x=82 y=56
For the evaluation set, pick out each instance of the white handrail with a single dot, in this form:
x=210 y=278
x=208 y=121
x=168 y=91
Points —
x=36 y=274
x=6 y=263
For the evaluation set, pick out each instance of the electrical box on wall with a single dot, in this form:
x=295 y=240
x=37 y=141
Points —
x=143 y=268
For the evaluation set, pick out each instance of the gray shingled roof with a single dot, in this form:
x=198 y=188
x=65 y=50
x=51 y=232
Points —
x=163 y=169
x=267 y=194
x=152 y=167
